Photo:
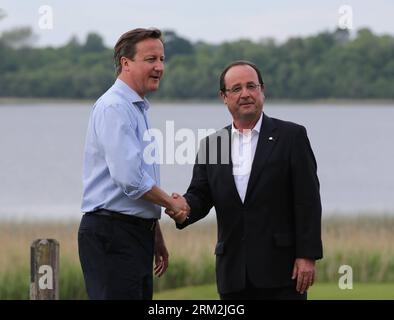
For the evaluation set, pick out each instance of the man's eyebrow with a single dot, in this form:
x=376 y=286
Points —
x=238 y=83
x=153 y=56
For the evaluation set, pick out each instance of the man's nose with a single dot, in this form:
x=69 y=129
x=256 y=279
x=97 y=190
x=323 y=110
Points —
x=244 y=92
x=159 y=66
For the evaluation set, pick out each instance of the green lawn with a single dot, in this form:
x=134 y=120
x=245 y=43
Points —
x=321 y=291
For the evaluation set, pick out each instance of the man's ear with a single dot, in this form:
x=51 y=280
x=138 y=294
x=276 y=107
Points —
x=124 y=62
x=223 y=96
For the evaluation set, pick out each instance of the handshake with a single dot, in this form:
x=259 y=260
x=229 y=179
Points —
x=179 y=209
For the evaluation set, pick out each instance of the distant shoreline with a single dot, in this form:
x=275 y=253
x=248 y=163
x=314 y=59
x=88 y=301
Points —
x=18 y=100
x=333 y=216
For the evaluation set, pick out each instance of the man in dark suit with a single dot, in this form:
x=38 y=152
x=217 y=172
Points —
x=260 y=174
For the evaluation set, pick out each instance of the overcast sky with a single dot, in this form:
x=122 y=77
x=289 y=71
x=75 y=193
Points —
x=212 y=21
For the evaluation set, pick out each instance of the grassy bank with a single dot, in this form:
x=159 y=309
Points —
x=364 y=243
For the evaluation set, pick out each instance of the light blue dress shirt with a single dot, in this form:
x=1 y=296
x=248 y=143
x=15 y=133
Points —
x=115 y=175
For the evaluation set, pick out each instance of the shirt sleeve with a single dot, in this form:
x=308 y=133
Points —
x=122 y=150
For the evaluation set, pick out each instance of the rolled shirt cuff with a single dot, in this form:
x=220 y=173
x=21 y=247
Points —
x=145 y=185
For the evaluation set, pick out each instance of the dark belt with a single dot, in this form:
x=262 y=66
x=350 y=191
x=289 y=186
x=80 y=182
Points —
x=146 y=223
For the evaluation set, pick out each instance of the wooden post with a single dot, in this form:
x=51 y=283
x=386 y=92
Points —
x=44 y=264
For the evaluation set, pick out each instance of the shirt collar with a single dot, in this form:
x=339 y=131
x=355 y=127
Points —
x=131 y=95
x=256 y=128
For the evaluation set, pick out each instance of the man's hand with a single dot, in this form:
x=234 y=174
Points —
x=161 y=253
x=180 y=210
x=304 y=271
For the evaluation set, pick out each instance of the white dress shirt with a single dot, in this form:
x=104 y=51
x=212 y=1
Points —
x=243 y=148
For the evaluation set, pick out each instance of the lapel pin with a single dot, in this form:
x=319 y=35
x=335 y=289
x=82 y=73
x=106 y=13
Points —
x=271 y=139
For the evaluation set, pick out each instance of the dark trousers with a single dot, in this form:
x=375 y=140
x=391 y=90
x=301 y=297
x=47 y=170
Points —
x=116 y=258
x=253 y=293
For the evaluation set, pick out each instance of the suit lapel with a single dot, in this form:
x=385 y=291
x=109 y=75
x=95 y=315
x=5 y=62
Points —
x=228 y=173
x=267 y=140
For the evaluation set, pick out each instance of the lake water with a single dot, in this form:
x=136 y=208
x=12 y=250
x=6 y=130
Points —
x=42 y=150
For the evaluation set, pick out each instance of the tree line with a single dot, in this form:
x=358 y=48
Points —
x=331 y=64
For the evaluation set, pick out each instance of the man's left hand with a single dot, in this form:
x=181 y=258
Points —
x=161 y=258
x=304 y=271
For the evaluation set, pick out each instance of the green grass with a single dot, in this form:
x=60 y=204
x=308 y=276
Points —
x=321 y=291
x=204 y=292
x=360 y=291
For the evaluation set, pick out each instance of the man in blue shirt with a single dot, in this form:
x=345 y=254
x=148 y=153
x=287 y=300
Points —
x=119 y=233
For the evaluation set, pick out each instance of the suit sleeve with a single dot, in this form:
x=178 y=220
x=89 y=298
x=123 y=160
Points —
x=198 y=194
x=307 y=203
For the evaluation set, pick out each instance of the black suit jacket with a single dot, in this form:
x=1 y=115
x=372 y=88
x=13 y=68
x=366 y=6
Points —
x=280 y=219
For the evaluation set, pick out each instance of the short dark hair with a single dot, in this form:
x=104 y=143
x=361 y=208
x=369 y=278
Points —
x=126 y=45
x=238 y=63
